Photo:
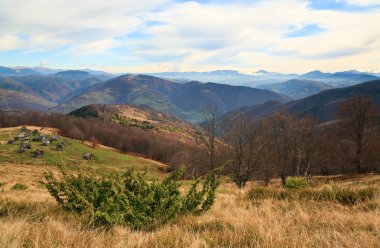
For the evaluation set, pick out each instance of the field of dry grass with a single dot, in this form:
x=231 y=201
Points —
x=31 y=218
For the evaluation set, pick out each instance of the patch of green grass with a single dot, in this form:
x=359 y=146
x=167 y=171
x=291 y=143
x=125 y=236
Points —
x=19 y=186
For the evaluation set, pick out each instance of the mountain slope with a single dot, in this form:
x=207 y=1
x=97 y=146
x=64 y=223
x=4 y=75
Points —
x=186 y=101
x=54 y=88
x=15 y=100
x=323 y=105
x=297 y=88
x=140 y=117
x=195 y=96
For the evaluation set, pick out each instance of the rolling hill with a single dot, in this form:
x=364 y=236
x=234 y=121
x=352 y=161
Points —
x=141 y=117
x=186 y=101
x=105 y=160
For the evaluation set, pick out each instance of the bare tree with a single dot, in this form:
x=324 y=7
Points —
x=357 y=118
x=308 y=135
x=210 y=141
x=282 y=137
x=245 y=147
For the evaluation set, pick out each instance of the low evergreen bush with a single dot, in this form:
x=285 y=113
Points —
x=19 y=186
x=130 y=199
x=296 y=183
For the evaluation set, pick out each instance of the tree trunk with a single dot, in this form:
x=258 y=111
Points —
x=283 y=179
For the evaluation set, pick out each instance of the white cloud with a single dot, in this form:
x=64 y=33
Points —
x=47 y=25
x=247 y=35
x=9 y=42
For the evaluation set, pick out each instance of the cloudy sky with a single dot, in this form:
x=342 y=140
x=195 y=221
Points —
x=179 y=35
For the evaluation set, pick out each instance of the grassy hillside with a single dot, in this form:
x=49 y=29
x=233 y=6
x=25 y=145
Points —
x=142 y=117
x=105 y=159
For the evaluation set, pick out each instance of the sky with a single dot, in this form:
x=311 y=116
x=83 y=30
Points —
x=288 y=36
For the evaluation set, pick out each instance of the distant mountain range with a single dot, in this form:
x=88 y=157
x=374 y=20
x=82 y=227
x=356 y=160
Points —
x=297 y=88
x=323 y=105
x=46 y=90
x=176 y=93
x=187 y=101
x=338 y=79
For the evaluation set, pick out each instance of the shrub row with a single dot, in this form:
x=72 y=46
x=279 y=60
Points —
x=345 y=196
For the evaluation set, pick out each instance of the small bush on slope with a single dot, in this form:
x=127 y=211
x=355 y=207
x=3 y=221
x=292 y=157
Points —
x=296 y=183
x=19 y=186
x=129 y=199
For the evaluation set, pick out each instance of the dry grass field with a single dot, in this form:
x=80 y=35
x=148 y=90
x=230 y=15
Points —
x=31 y=218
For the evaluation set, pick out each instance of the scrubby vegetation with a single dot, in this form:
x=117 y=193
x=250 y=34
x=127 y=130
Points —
x=233 y=221
x=296 y=183
x=19 y=186
x=334 y=193
x=129 y=199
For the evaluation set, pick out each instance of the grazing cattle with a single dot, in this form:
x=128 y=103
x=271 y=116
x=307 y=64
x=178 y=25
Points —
x=54 y=138
x=11 y=142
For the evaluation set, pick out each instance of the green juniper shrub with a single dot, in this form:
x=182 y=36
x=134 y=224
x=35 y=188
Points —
x=19 y=186
x=130 y=199
x=296 y=183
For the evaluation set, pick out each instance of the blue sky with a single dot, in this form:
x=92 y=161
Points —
x=169 y=35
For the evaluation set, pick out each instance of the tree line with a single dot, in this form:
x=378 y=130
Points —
x=285 y=145
x=280 y=145
x=150 y=144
